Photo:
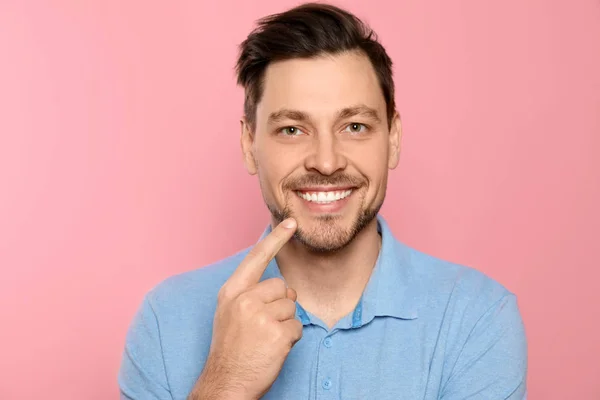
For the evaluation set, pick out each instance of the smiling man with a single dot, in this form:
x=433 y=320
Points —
x=328 y=304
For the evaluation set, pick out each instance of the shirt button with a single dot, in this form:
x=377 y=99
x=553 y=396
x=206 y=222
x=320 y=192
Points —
x=327 y=342
x=327 y=384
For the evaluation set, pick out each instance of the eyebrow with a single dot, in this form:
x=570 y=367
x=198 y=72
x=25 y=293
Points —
x=361 y=109
x=285 y=113
x=344 y=113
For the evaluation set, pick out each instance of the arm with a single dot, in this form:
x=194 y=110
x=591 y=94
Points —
x=142 y=375
x=493 y=361
x=209 y=387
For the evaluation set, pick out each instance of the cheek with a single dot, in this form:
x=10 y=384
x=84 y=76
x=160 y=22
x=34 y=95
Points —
x=371 y=158
x=372 y=163
x=274 y=166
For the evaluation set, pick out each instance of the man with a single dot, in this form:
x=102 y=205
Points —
x=327 y=305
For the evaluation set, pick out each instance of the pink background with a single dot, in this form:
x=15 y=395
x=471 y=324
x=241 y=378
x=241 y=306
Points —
x=120 y=166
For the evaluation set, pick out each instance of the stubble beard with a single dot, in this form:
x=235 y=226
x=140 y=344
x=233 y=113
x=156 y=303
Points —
x=327 y=237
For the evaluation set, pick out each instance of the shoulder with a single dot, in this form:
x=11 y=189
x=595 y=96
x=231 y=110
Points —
x=445 y=282
x=474 y=310
x=171 y=332
x=484 y=344
x=193 y=290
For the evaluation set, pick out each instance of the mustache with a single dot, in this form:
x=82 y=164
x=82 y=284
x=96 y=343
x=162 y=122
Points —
x=339 y=179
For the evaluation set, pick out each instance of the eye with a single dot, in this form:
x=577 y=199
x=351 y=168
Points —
x=355 y=128
x=290 y=131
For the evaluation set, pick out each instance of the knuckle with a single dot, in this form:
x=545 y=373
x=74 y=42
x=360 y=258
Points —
x=262 y=320
x=300 y=328
x=275 y=286
x=257 y=254
x=279 y=334
x=289 y=336
x=297 y=330
x=246 y=304
x=279 y=285
x=290 y=307
x=224 y=294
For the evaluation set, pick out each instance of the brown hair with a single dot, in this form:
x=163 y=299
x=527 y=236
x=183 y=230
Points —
x=306 y=31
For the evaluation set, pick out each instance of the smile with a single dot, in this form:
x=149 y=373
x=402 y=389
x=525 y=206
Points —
x=324 y=197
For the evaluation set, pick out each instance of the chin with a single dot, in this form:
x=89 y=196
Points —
x=328 y=233
x=328 y=242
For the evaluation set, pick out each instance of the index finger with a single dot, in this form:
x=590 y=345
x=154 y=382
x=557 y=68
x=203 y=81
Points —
x=253 y=266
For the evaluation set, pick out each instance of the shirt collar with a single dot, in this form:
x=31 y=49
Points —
x=391 y=290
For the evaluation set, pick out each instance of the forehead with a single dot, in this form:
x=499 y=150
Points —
x=320 y=86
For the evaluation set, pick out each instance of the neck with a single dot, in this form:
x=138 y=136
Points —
x=331 y=283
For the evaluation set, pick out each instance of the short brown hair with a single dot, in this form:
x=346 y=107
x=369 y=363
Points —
x=306 y=31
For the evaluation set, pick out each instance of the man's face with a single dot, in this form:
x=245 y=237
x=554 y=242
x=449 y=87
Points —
x=322 y=146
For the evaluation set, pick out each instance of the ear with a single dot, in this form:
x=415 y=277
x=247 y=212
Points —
x=394 y=144
x=247 y=143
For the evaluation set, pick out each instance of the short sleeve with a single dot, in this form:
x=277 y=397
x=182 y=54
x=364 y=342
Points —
x=142 y=374
x=493 y=361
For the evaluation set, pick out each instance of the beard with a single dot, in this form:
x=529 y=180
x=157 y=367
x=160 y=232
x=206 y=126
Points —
x=326 y=236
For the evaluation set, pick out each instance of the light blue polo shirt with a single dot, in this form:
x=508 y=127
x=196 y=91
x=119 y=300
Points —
x=423 y=329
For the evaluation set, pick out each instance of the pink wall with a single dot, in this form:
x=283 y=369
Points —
x=119 y=163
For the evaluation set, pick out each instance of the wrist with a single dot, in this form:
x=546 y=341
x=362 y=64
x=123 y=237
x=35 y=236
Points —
x=208 y=394
x=217 y=387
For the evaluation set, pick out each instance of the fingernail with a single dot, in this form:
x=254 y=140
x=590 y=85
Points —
x=289 y=223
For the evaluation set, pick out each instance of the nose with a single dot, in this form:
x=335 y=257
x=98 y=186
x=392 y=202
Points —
x=325 y=156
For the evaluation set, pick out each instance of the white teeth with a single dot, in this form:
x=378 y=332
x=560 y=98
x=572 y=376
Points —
x=324 y=197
